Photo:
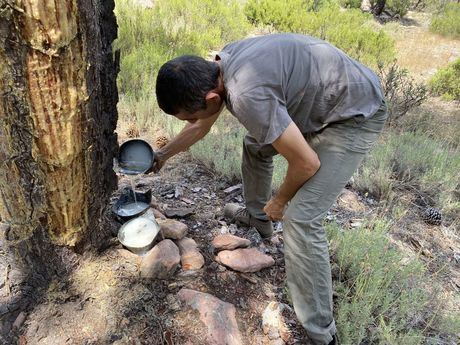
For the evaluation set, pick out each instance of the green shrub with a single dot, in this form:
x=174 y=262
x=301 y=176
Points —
x=399 y=7
x=348 y=30
x=350 y=3
x=381 y=299
x=446 y=82
x=447 y=21
x=414 y=162
x=148 y=37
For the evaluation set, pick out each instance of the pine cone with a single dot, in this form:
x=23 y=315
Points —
x=161 y=141
x=132 y=131
x=432 y=216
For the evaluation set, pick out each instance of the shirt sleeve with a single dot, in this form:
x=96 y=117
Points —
x=264 y=115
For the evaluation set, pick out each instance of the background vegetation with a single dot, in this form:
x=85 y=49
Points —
x=445 y=21
x=380 y=299
x=446 y=82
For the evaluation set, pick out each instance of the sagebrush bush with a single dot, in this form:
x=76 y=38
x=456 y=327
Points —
x=414 y=162
x=447 y=20
x=348 y=30
x=377 y=291
x=399 y=7
x=401 y=91
x=446 y=82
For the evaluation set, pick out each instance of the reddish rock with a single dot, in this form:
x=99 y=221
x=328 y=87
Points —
x=229 y=242
x=172 y=229
x=190 y=256
x=218 y=316
x=161 y=261
x=245 y=260
x=158 y=214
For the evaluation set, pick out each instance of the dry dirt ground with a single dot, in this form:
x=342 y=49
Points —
x=105 y=302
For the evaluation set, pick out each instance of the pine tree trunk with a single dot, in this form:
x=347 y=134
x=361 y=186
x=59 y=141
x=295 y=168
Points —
x=378 y=8
x=57 y=141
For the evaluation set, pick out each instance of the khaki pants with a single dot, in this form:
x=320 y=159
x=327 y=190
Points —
x=341 y=146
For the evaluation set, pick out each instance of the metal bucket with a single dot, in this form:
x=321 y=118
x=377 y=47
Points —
x=126 y=198
x=138 y=235
x=135 y=157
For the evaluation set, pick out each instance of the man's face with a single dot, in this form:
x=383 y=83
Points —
x=211 y=109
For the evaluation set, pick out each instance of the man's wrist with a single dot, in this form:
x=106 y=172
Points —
x=280 y=200
x=162 y=154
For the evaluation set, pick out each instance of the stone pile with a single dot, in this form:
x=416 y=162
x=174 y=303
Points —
x=172 y=251
x=233 y=253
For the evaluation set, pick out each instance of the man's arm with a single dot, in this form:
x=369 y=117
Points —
x=303 y=163
x=189 y=135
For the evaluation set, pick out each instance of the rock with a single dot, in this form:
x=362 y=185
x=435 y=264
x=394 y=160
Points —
x=190 y=256
x=161 y=261
x=128 y=256
x=245 y=260
x=188 y=201
x=178 y=212
x=273 y=323
x=349 y=200
x=233 y=188
x=223 y=230
x=218 y=316
x=19 y=320
x=157 y=214
x=229 y=242
x=172 y=229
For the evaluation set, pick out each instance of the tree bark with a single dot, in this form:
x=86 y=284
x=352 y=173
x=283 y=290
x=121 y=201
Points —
x=378 y=7
x=57 y=142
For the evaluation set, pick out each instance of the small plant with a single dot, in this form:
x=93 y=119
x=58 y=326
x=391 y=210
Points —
x=401 y=92
x=381 y=299
x=446 y=82
x=446 y=22
x=412 y=162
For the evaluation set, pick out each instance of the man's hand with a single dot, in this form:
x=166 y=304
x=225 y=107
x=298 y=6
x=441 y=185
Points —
x=274 y=209
x=160 y=160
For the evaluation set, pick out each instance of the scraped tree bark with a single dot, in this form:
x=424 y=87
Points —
x=57 y=141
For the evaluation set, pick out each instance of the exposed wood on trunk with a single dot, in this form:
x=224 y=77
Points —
x=66 y=142
x=58 y=114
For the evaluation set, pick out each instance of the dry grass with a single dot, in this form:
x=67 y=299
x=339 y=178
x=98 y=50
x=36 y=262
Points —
x=419 y=50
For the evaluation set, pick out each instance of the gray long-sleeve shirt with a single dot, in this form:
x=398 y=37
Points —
x=275 y=79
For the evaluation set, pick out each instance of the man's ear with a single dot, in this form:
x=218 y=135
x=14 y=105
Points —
x=212 y=97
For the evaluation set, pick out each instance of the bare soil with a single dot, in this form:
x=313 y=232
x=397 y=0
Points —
x=105 y=302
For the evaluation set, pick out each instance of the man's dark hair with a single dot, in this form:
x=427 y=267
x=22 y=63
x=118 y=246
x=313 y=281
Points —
x=183 y=82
